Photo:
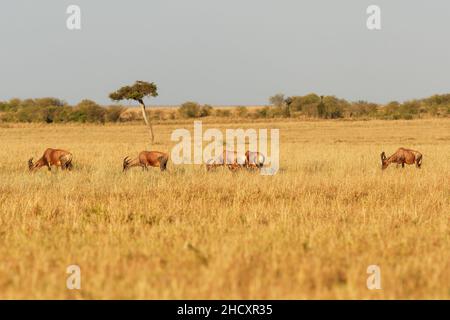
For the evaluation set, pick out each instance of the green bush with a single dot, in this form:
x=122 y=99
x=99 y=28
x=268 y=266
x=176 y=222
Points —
x=438 y=99
x=15 y=103
x=277 y=100
x=43 y=102
x=241 y=111
x=263 y=113
x=4 y=106
x=189 y=110
x=223 y=113
x=310 y=110
x=33 y=113
x=311 y=105
x=206 y=110
x=392 y=107
x=194 y=110
x=88 y=111
x=334 y=107
x=361 y=109
x=410 y=107
x=299 y=102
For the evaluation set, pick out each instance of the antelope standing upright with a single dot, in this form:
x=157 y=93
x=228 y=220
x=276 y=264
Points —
x=52 y=157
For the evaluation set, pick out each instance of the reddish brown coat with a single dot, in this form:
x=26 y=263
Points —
x=147 y=159
x=52 y=157
x=254 y=159
x=231 y=159
x=401 y=157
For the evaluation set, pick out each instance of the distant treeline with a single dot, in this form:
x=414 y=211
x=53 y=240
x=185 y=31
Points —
x=53 y=110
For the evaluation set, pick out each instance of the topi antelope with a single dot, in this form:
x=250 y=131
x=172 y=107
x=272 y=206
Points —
x=231 y=159
x=146 y=159
x=254 y=159
x=402 y=156
x=52 y=157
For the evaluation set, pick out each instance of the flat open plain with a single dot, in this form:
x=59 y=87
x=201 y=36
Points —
x=310 y=231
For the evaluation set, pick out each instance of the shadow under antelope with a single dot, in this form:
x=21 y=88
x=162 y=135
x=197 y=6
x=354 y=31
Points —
x=402 y=156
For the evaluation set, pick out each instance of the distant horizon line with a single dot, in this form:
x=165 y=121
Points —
x=174 y=105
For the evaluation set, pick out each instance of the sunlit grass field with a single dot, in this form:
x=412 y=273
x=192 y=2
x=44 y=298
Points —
x=310 y=231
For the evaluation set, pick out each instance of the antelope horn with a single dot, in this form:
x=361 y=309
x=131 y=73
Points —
x=126 y=161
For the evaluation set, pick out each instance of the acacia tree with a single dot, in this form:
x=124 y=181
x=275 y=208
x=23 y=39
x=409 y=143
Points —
x=137 y=92
x=277 y=100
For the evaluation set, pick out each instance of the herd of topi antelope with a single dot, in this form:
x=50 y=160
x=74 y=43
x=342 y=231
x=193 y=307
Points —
x=63 y=159
x=231 y=159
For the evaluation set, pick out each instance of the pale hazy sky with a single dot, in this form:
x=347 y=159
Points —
x=227 y=51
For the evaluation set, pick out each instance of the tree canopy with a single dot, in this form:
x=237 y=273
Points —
x=137 y=92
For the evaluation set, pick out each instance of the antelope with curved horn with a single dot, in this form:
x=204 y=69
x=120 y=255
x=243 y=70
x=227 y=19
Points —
x=52 y=157
x=231 y=159
x=254 y=159
x=147 y=159
x=402 y=156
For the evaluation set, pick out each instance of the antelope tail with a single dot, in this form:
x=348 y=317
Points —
x=261 y=161
x=163 y=162
x=66 y=161
x=419 y=160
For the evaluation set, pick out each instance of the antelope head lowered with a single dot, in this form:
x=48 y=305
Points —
x=52 y=157
x=254 y=159
x=147 y=159
x=231 y=159
x=401 y=157
x=384 y=163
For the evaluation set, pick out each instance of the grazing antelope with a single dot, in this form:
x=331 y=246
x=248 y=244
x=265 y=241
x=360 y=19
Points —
x=402 y=156
x=254 y=159
x=52 y=157
x=146 y=159
x=231 y=159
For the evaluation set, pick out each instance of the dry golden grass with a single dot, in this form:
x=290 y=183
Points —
x=311 y=231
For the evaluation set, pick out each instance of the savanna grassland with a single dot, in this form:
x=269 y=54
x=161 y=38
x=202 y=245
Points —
x=310 y=231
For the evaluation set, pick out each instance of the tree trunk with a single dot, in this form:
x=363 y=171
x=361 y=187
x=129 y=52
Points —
x=148 y=123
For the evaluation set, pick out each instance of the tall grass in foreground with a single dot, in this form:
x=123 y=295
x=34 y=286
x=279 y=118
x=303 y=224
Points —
x=311 y=231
